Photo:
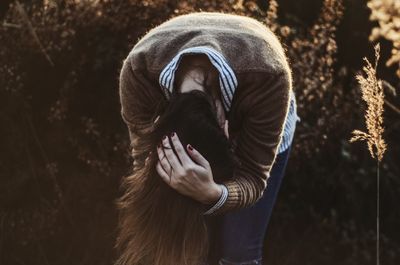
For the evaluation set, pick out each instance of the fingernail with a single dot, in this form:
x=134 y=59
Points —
x=190 y=147
x=172 y=134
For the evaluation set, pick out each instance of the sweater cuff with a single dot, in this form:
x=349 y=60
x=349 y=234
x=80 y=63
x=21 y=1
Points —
x=232 y=199
x=237 y=189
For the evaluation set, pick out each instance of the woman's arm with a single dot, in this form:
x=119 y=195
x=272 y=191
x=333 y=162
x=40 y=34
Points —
x=139 y=98
x=266 y=108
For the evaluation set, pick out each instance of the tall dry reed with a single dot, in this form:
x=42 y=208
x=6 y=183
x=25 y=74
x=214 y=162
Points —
x=372 y=94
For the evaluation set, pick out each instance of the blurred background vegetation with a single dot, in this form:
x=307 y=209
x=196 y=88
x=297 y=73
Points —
x=64 y=147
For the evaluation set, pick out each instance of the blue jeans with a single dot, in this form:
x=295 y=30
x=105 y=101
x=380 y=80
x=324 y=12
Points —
x=236 y=238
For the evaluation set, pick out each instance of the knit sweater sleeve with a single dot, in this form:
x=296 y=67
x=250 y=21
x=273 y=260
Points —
x=139 y=98
x=266 y=108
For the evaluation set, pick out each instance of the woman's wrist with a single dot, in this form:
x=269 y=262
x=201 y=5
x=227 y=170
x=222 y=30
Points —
x=214 y=194
x=221 y=200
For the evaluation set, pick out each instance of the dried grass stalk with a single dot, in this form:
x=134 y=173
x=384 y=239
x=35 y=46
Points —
x=372 y=94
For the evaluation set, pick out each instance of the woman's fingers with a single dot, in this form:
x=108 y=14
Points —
x=162 y=173
x=147 y=159
x=180 y=150
x=162 y=159
x=226 y=129
x=169 y=153
x=197 y=157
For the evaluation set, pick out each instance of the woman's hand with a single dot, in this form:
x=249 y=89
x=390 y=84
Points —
x=189 y=175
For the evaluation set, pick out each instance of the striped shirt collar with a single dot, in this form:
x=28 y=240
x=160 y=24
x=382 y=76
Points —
x=227 y=79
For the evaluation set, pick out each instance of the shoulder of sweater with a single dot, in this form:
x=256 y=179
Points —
x=247 y=44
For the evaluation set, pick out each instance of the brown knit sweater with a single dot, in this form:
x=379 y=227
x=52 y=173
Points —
x=260 y=103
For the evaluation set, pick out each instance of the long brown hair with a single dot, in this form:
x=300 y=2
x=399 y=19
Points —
x=158 y=225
